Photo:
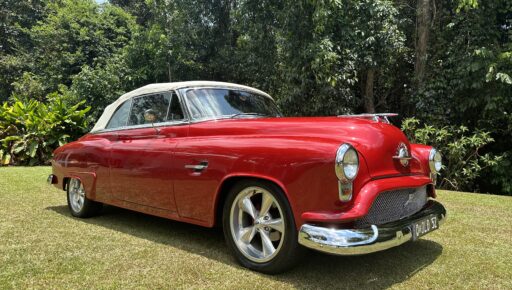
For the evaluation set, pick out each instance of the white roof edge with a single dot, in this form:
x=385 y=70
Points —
x=160 y=87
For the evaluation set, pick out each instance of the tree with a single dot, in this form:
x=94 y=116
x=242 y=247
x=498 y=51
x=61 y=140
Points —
x=16 y=17
x=468 y=81
x=77 y=33
x=423 y=20
x=333 y=48
x=139 y=9
x=378 y=44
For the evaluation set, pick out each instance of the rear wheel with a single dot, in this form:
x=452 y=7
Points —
x=79 y=205
x=259 y=227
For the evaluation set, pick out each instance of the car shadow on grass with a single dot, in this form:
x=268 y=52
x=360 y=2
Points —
x=317 y=270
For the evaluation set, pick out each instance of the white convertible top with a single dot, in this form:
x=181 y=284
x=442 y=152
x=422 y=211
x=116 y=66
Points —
x=161 y=87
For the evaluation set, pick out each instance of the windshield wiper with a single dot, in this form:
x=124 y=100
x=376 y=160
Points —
x=247 y=114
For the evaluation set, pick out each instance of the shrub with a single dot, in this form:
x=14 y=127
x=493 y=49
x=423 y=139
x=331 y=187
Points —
x=30 y=130
x=462 y=160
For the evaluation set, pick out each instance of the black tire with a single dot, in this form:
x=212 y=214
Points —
x=290 y=251
x=89 y=207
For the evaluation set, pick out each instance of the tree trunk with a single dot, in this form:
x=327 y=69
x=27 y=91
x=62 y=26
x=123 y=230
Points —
x=369 y=105
x=169 y=71
x=423 y=20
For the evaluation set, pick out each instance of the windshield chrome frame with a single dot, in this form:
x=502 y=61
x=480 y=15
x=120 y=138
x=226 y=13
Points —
x=183 y=92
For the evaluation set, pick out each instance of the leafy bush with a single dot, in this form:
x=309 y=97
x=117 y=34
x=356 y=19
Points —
x=462 y=160
x=31 y=130
x=499 y=176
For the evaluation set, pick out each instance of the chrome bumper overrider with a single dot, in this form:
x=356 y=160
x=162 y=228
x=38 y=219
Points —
x=52 y=179
x=367 y=240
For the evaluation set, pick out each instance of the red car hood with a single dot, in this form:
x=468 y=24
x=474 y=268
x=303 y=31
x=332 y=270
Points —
x=376 y=142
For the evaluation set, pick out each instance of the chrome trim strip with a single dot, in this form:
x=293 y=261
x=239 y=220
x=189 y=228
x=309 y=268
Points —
x=368 y=240
x=380 y=117
x=142 y=126
x=402 y=157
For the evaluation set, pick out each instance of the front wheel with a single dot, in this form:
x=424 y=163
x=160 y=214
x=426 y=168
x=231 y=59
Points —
x=259 y=227
x=78 y=203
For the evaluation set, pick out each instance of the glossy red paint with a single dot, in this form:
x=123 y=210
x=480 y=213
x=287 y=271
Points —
x=145 y=169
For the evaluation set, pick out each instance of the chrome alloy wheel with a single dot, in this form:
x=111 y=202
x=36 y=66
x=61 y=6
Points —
x=76 y=195
x=257 y=224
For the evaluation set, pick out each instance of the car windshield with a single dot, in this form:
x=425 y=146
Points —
x=228 y=103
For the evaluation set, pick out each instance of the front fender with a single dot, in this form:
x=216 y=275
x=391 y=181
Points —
x=302 y=167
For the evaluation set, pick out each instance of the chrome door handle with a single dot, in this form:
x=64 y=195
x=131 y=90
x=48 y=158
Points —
x=197 y=167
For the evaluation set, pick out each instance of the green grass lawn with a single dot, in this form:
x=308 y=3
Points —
x=42 y=246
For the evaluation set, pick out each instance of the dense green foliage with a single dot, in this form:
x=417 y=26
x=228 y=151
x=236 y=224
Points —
x=463 y=161
x=447 y=63
x=30 y=131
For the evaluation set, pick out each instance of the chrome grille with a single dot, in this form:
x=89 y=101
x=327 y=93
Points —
x=394 y=205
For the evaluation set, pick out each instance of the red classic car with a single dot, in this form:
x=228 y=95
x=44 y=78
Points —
x=211 y=153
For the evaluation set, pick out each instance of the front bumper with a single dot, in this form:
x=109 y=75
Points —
x=367 y=240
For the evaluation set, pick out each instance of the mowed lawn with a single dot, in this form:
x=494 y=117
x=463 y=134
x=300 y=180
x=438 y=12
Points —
x=42 y=246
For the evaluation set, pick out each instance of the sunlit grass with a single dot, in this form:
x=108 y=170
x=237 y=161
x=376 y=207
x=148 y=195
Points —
x=42 y=246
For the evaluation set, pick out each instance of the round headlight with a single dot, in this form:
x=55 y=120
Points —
x=347 y=163
x=435 y=161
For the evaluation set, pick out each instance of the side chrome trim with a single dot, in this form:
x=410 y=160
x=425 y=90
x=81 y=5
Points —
x=143 y=126
x=368 y=240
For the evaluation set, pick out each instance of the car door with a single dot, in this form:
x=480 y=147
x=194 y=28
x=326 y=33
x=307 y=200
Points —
x=141 y=157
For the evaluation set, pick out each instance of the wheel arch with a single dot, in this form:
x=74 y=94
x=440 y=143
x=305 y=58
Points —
x=229 y=181
x=88 y=179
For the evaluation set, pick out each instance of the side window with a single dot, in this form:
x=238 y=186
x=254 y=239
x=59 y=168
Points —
x=175 y=111
x=120 y=117
x=149 y=109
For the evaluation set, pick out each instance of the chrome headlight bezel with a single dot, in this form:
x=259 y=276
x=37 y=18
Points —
x=435 y=161
x=346 y=165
